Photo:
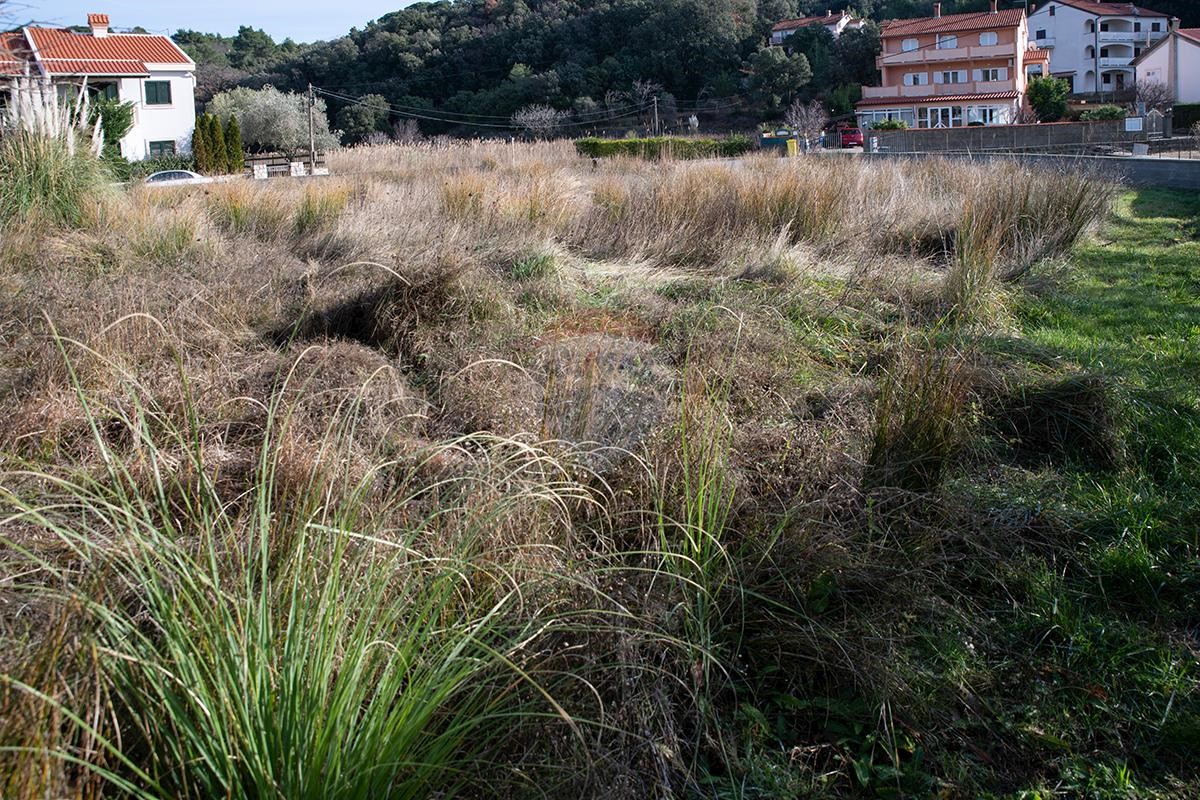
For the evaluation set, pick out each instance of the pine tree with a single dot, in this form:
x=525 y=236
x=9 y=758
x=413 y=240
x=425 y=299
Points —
x=235 y=159
x=200 y=153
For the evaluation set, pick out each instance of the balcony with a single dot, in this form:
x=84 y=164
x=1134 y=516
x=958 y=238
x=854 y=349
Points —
x=929 y=55
x=1116 y=62
x=938 y=89
x=1128 y=37
x=1046 y=42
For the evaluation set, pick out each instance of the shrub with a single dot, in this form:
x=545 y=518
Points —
x=665 y=147
x=890 y=125
x=235 y=157
x=1048 y=96
x=1185 y=115
x=1102 y=112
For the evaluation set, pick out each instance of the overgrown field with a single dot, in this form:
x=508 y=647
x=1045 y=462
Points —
x=497 y=472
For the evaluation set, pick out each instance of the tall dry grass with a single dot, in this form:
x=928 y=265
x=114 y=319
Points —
x=490 y=468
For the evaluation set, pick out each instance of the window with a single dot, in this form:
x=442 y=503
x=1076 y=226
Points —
x=951 y=76
x=991 y=74
x=1041 y=34
x=158 y=149
x=908 y=45
x=1104 y=52
x=1052 y=11
x=916 y=79
x=1156 y=26
x=1137 y=27
x=1103 y=26
x=983 y=115
x=947 y=42
x=988 y=38
x=158 y=93
x=940 y=117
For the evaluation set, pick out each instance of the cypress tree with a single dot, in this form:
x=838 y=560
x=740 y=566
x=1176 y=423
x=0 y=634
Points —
x=200 y=145
x=216 y=144
x=235 y=159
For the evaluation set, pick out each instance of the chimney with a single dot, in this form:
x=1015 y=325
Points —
x=99 y=25
x=937 y=9
x=994 y=11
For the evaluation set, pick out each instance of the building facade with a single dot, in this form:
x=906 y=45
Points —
x=1093 y=44
x=834 y=23
x=147 y=70
x=954 y=70
x=1174 y=62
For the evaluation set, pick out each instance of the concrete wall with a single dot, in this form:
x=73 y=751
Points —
x=1064 y=136
x=1166 y=173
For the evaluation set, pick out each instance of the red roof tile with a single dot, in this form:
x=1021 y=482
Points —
x=1191 y=33
x=14 y=53
x=1112 y=9
x=804 y=22
x=62 y=52
x=900 y=102
x=954 y=23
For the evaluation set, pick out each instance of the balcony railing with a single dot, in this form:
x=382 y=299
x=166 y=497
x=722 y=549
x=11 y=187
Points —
x=1120 y=36
x=1045 y=42
x=939 y=89
x=933 y=54
x=1115 y=62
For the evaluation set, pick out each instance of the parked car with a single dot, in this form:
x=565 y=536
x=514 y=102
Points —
x=850 y=137
x=176 y=177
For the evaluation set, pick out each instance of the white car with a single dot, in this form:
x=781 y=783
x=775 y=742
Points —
x=176 y=177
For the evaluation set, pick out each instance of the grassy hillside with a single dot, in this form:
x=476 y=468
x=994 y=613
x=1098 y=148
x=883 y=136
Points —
x=493 y=471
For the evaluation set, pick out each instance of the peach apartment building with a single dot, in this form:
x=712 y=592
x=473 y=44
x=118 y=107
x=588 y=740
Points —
x=953 y=70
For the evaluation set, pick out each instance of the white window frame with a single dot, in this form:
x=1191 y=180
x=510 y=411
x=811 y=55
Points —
x=908 y=45
x=989 y=38
x=990 y=74
x=947 y=41
x=916 y=79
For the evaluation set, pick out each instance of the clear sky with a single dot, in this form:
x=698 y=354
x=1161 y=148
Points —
x=302 y=20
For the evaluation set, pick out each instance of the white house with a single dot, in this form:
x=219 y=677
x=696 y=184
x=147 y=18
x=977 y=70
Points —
x=834 y=23
x=1093 y=44
x=1173 y=61
x=148 y=70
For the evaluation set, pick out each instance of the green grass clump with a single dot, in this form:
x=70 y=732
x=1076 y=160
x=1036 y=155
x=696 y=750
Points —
x=43 y=177
x=277 y=642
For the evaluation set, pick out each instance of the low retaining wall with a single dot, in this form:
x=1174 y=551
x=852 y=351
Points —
x=1166 y=173
x=1047 y=137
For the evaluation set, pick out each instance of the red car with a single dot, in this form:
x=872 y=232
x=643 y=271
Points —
x=850 y=137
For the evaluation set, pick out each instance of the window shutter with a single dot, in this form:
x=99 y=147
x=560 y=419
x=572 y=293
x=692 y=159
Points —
x=977 y=75
x=937 y=77
x=1002 y=74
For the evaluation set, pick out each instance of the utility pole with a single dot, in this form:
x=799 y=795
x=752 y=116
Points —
x=312 y=134
x=656 y=115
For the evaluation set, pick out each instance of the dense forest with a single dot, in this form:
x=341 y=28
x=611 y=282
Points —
x=468 y=65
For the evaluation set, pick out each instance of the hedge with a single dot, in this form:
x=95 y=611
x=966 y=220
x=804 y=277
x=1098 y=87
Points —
x=1185 y=116
x=665 y=146
x=1103 y=112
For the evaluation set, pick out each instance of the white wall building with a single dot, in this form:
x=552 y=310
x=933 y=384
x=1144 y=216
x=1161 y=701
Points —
x=834 y=23
x=1093 y=44
x=147 y=70
x=1174 y=61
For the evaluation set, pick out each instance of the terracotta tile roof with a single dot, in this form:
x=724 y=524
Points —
x=1037 y=54
x=62 y=52
x=1190 y=33
x=954 y=23
x=14 y=53
x=1112 y=9
x=900 y=102
x=804 y=22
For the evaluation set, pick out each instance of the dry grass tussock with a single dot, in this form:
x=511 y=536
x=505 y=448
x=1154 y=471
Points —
x=556 y=463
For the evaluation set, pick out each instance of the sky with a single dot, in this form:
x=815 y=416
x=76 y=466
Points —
x=302 y=20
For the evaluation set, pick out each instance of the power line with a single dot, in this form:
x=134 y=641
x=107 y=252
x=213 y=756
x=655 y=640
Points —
x=430 y=116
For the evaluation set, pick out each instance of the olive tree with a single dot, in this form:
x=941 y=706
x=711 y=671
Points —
x=272 y=120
